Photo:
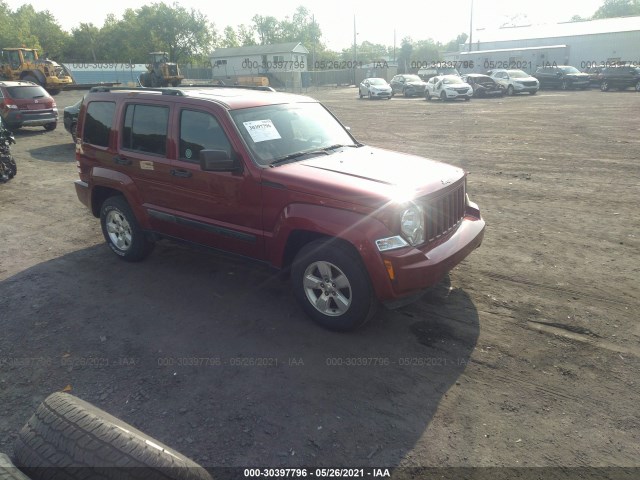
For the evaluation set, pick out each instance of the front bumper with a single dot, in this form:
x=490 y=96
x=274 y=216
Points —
x=522 y=88
x=453 y=94
x=418 y=268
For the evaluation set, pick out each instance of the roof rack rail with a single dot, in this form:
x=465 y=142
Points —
x=177 y=91
x=164 y=91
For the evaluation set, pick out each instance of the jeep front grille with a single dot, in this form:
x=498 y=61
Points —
x=444 y=213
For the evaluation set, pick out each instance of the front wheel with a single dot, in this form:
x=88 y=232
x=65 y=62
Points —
x=122 y=232
x=510 y=90
x=50 y=126
x=443 y=96
x=638 y=87
x=332 y=285
x=427 y=96
x=533 y=92
x=604 y=86
x=565 y=85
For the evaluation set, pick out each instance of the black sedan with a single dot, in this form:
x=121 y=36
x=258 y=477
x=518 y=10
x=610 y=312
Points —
x=71 y=118
x=483 y=85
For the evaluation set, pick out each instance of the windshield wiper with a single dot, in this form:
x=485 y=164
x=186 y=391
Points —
x=293 y=156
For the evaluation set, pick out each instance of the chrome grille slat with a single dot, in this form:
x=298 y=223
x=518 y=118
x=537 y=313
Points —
x=443 y=213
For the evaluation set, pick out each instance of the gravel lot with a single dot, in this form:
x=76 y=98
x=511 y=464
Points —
x=527 y=355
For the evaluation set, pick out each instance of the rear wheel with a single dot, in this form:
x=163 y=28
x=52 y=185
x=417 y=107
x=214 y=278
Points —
x=8 y=471
x=74 y=132
x=122 y=232
x=565 y=85
x=638 y=86
x=31 y=78
x=332 y=286
x=604 y=86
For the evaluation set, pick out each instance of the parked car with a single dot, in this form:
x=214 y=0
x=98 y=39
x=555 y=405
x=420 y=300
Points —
x=448 y=87
x=427 y=73
x=375 y=88
x=408 y=84
x=595 y=74
x=274 y=177
x=515 y=81
x=563 y=76
x=26 y=104
x=483 y=85
x=620 y=78
x=70 y=118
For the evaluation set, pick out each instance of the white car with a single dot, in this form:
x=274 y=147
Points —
x=375 y=88
x=516 y=81
x=448 y=87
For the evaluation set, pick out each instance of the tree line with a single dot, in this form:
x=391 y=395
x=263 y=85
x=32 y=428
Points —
x=189 y=37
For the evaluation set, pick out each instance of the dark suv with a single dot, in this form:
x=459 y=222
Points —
x=274 y=177
x=620 y=78
x=26 y=104
x=564 y=77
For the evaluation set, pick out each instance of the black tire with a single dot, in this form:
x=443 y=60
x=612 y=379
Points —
x=9 y=166
x=319 y=298
x=510 y=90
x=443 y=96
x=54 y=91
x=533 y=93
x=74 y=132
x=604 y=86
x=405 y=93
x=122 y=232
x=8 y=471
x=565 y=85
x=370 y=96
x=175 y=83
x=637 y=87
x=49 y=127
x=427 y=96
x=31 y=78
x=67 y=436
x=360 y=93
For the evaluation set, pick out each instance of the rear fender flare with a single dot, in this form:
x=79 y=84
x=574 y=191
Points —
x=122 y=184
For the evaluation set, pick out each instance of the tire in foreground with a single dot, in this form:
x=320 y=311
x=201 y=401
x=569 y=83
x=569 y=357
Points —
x=70 y=439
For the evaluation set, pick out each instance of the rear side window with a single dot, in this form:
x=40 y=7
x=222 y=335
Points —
x=97 y=123
x=145 y=129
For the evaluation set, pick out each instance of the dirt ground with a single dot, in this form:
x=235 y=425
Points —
x=527 y=355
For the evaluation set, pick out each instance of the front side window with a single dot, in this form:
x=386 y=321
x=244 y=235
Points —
x=97 y=123
x=145 y=129
x=200 y=131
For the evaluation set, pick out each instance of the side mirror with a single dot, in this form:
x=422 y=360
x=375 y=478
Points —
x=218 y=161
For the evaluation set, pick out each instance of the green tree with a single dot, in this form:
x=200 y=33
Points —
x=404 y=57
x=246 y=36
x=617 y=8
x=230 y=38
x=268 y=28
x=454 y=45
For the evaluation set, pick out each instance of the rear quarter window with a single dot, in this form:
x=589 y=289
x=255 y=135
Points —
x=97 y=123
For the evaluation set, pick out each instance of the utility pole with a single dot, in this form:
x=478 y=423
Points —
x=471 y=28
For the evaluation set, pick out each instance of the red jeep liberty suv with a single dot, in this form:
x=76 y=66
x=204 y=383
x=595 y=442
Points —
x=277 y=178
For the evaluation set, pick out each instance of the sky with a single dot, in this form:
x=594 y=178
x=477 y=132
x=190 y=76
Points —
x=375 y=20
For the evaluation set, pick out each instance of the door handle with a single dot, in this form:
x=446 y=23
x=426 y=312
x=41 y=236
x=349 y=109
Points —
x=181 y=173
x=121 y=160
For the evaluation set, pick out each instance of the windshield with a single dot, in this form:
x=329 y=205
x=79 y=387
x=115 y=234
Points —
x=274 y=132
x=569 y=69
x=23 y=92
x=377 y=81
x=448 y=71
x=517 y=74
x=451 y=80
x=412 y=78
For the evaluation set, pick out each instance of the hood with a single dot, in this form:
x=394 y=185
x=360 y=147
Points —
x=366 y=176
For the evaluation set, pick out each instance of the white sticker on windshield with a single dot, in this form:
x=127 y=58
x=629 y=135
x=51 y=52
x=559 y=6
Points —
x=261 y=130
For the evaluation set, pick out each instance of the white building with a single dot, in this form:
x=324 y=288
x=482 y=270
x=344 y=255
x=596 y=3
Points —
x=580 y=44
x=259 y=60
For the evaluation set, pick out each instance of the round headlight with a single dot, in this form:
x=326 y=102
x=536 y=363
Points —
x=412 y=224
